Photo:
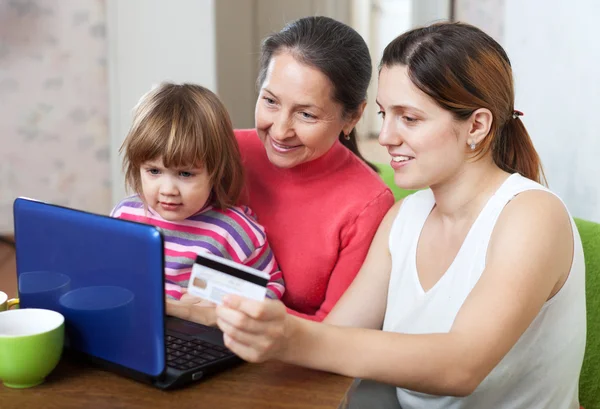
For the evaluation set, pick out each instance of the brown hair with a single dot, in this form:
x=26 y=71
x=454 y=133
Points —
x=336 y=50
x=464 y=69
x=187 y=126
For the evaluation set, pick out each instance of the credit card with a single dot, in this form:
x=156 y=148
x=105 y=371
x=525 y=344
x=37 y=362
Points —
x=212 y=277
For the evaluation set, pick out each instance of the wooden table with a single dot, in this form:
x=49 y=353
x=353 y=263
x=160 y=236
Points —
x=8 y=271
x=272 y=385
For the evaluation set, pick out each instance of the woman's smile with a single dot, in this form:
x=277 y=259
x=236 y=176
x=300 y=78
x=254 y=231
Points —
x=283 y=148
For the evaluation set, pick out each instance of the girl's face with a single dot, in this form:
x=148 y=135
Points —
x=296 y=118
x=426 y=144
x=175 y=194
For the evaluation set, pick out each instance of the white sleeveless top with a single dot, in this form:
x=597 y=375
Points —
x=542 y=369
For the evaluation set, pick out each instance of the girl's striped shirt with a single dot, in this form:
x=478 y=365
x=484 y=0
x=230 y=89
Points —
x=231 y=233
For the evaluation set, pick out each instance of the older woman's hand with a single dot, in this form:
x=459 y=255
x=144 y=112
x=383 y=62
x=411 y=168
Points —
x=255 y=331
x=194 y=309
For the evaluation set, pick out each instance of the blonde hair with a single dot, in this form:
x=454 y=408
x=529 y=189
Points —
x=187 y=126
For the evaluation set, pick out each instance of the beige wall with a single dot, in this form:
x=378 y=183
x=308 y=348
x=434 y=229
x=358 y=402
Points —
x=54 y=87
x=237 y=47
x=488 y=15
x=555 y=63
x=150 y=41
x=67 y=65
x=240 y=27
x=53 y=94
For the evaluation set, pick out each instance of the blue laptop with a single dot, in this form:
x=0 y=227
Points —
x=106 y=276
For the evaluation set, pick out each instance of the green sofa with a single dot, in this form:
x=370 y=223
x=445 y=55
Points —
x=589 y=385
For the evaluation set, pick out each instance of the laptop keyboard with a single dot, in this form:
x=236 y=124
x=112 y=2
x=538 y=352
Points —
x=183 y=354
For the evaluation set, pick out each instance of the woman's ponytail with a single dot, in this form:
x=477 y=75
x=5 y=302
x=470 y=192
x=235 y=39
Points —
x=513 y=150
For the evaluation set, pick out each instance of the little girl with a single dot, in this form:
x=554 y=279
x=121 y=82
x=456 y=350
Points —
x=182 y=160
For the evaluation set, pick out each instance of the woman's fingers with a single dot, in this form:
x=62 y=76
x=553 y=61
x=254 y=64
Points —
x=239 y=320
x=262 y=345
x=245 y=352
x=262 y=334
x=254 y=330
x=265 y=310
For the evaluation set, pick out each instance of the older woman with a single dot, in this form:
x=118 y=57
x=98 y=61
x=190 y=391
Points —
x=317 y=197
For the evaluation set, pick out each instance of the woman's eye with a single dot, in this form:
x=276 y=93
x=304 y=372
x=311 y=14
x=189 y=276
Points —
x=186 y=174
x=409 y=119
x=153 y=171
x=306 y=115
x=269 y=101
x=381 y=114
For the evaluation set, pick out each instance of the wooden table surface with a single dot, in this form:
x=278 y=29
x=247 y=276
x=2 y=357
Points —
x=270 y=385
x=80 y=385
x=8 y=270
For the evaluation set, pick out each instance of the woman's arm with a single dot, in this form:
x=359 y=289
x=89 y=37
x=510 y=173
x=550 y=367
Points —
x=356 y=242
x=528 y=258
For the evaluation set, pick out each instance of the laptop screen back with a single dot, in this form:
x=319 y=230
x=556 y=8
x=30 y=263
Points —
x=104 y=275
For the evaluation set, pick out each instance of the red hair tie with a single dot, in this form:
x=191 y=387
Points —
x=517 y=114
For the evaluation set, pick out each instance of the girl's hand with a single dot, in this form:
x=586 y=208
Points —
x=255 y=331
x=192 y=308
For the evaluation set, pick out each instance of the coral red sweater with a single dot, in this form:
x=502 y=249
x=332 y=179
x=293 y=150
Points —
x=320 y=218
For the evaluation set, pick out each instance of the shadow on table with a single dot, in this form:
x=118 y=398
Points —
x=365 y=394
